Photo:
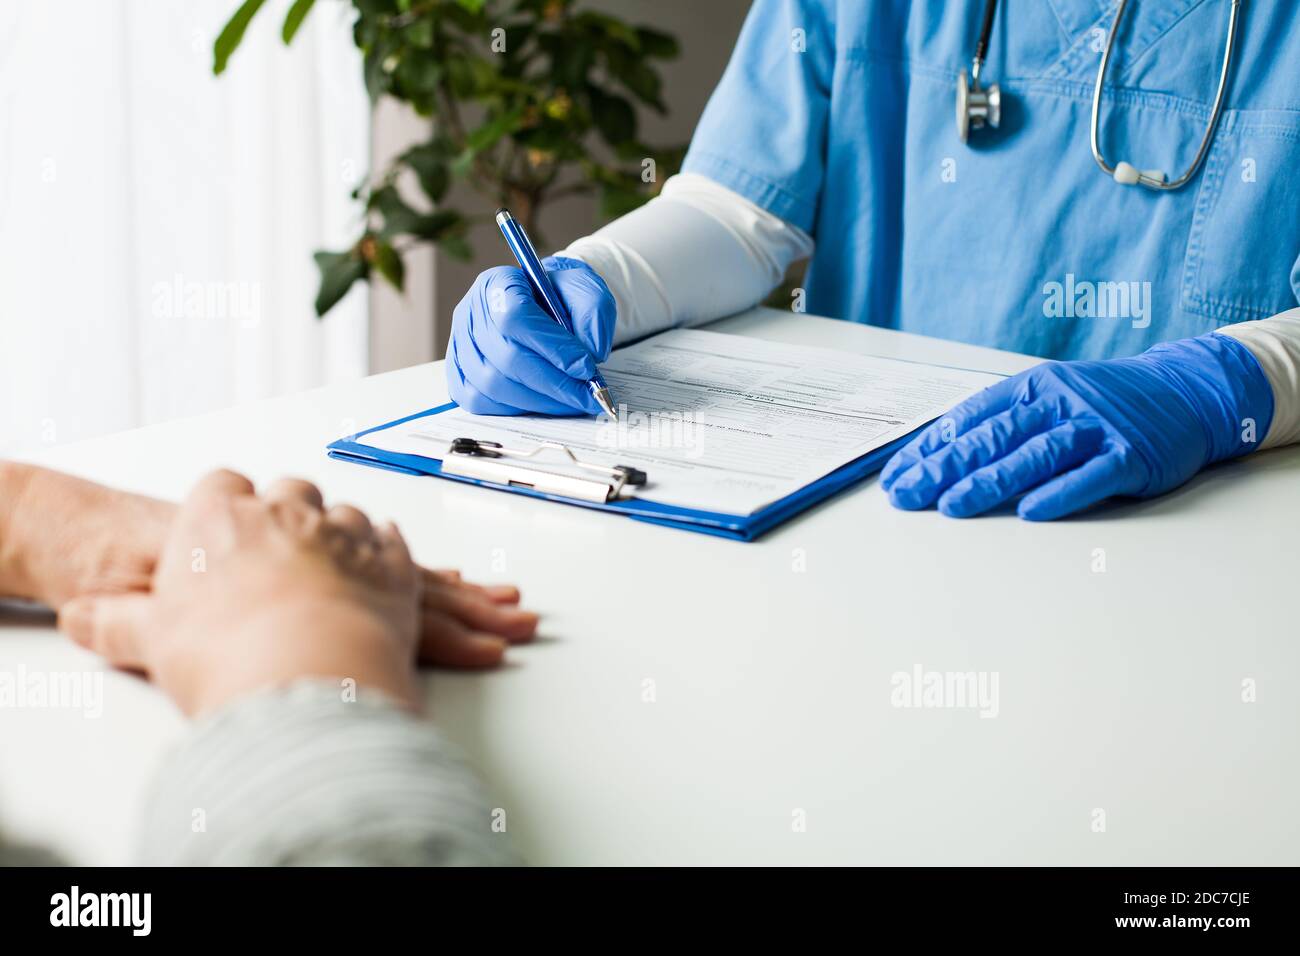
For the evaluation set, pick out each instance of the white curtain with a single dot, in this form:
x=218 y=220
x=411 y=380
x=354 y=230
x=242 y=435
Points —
x=157 y=222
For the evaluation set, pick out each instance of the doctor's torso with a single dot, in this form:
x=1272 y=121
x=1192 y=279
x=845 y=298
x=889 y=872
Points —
x=1017 y=240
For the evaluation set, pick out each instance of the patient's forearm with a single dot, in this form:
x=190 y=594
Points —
x=695 y=253
x=13 y=559
x=61 y=535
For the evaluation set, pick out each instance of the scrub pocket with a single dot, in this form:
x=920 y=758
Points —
x=1243 y=251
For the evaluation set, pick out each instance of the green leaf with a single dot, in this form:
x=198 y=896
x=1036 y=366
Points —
x=420 y=34
x=232 y=33
x=376 y=8
x=573 y=61
x=430 y=166
x=517 y=37
x=457 y=247
x=553 y=138
x=490 y=133
x=487 y=136
x=465 y=16
x=613 y=116
x=435 y=225
x=389 y=264
x=338 y=271
x=377 y=80
x=294 y=19
x=398 y=216
x=460 y=78
x=416 y=80
x=637 y=76
x=616 y=30
x=660 y=46
x=401 y=219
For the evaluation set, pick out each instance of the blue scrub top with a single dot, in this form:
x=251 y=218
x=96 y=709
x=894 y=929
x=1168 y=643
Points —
x=839 y=117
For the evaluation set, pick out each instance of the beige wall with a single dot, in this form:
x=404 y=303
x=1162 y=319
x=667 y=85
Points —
x=413 y=328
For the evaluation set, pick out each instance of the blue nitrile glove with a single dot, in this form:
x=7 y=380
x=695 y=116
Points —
x=507 y=356
x=1074 y=433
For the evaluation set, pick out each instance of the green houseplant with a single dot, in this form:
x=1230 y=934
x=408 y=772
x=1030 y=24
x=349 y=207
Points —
x=531 y=100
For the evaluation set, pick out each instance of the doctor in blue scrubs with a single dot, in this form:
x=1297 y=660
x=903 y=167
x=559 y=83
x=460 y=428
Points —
x=1113 y=186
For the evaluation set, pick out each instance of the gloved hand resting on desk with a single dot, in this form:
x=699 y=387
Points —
x=1072 y=434
x=507 y=356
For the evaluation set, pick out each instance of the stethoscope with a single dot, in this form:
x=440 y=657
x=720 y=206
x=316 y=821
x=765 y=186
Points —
x=977 y=107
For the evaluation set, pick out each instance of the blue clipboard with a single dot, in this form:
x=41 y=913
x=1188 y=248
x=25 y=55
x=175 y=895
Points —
x=737 y=527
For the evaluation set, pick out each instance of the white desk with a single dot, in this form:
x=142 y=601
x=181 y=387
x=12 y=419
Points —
x=1118 y=690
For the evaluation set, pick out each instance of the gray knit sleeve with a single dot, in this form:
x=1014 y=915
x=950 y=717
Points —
x=304 y=776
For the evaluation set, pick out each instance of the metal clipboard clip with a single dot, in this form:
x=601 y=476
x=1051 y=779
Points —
x=484 y=460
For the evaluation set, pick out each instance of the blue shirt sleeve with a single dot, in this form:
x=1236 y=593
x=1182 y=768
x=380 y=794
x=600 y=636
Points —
x=763 y=133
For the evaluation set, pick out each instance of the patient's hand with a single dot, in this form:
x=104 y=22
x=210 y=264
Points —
x=255 y=591
x=61 y=537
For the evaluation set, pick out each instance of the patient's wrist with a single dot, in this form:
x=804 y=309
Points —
x=291 y=642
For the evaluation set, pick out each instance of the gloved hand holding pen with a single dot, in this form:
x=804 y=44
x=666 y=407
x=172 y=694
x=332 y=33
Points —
x=507 y=356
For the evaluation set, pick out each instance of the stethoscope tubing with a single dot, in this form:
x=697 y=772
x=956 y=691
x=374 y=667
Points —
x=1206 y=138
x=968 y=117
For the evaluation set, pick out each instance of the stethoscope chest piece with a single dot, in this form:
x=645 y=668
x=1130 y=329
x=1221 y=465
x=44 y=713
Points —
x=977 y=107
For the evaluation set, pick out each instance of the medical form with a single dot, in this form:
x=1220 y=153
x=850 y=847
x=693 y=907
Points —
x=719 y=422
